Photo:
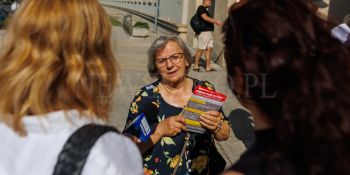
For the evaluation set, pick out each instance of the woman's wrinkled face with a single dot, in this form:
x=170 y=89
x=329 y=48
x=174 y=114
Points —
x=171 y=63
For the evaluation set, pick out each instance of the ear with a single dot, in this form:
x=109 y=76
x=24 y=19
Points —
x=230 y=81
x=235 y=81
x=187 y=63
x=238 y=74
x=235 y=77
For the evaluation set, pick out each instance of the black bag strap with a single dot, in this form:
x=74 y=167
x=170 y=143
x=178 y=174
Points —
x=217 y=163
x=75 y=151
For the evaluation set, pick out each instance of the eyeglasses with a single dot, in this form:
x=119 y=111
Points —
x=174 y=58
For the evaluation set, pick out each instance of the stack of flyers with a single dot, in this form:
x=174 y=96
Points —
x=139 y=127
x=201 y=101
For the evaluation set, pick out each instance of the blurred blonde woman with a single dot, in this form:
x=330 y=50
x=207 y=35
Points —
x=56 y=74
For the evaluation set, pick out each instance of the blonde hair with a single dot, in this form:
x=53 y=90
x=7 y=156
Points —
x=56 y=55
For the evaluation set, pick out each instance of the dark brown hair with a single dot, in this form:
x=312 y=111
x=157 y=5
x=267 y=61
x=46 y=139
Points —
x=291 y=53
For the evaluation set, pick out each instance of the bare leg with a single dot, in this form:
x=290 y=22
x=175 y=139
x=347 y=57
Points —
x=208 y=58
x=197 y=56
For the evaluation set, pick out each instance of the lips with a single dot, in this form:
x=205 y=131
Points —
x=172 y=72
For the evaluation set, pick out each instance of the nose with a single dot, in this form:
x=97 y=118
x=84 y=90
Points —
x=169 y=64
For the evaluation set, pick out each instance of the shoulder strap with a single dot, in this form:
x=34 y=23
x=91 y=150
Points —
x=73 y=156
x=203 y=83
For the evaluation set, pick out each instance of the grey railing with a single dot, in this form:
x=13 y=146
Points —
x=174 y=28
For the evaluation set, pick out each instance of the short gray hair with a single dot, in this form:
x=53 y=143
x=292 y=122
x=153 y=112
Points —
x=160 y=44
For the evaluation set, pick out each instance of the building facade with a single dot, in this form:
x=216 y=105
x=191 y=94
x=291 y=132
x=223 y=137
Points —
x=176 y=14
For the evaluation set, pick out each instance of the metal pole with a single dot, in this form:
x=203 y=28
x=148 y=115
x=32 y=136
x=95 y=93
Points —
x=156 y=18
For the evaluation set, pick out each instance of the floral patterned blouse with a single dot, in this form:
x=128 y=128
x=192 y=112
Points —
x=163 y=157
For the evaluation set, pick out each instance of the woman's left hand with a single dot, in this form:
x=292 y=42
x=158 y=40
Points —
x=211 y=120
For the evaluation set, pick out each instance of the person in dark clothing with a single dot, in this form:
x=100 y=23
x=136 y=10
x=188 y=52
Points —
x=205 y=38
x=293 y=76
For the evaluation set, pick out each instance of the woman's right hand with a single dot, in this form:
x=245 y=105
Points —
x=171 y=126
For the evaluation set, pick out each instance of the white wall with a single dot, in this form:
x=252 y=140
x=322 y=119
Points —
x=169 y=10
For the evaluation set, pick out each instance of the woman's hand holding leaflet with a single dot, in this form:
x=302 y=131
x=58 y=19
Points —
x=171 y=126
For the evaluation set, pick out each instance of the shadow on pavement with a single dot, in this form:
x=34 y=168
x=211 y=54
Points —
x=242 y=126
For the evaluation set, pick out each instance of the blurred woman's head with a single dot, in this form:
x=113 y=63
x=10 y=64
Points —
x=281 y=57
x=277 y=50
x=56 y=55
x=169 y=59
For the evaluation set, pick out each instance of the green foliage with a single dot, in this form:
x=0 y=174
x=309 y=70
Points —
x=115 y=22
x=141 y=25
x=3 y=23
x=7 y=2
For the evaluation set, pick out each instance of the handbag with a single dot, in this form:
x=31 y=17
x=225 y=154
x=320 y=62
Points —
x=197 y=24
x=73 y=156
x=217 y=163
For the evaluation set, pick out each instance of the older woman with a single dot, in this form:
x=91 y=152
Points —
x=170 y=61
x=54 y=58
x=299 y=96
